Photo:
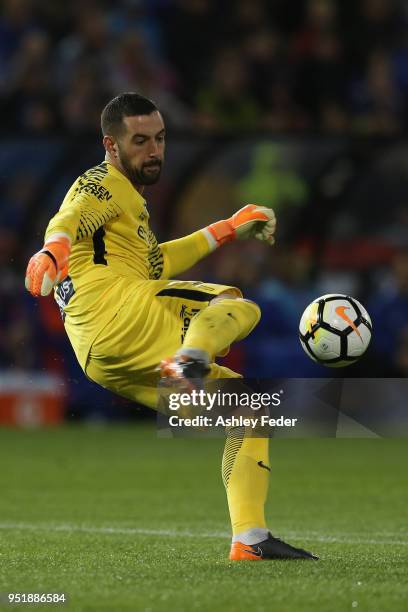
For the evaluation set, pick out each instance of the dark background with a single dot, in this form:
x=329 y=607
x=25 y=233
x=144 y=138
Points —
x=300 y=106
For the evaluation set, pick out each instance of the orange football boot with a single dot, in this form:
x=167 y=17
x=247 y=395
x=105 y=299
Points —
x=271 y=548
x=183 y=370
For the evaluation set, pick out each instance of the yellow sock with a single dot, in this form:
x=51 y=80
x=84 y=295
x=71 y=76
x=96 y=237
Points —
x=245 y=472
x=246 y=482
x=217 y=326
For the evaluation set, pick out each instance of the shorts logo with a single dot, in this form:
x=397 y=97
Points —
x=63 y=294
x=186 y=314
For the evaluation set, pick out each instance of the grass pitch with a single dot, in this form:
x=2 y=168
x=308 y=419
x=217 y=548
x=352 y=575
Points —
x=119 y=519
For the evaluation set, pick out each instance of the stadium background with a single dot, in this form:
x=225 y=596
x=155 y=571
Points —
x=304 y=110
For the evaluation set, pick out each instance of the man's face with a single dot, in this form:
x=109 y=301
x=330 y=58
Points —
x=140 y=148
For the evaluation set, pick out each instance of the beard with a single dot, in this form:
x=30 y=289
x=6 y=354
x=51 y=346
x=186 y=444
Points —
x=142 y=175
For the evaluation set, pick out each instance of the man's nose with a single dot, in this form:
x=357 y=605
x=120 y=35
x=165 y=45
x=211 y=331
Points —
x=153 y=148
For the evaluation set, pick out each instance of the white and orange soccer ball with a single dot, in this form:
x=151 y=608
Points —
x=335 y=330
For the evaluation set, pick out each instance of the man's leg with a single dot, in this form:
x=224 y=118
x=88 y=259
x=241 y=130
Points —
x=124 y=359
x=245 y=473
x=245 y=463
x=227 y=318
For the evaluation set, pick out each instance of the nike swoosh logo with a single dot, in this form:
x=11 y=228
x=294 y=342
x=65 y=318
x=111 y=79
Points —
x=262 y=465
x=340 y=311
x=256 y=553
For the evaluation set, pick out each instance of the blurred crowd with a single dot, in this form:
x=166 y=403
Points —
x=326 y=65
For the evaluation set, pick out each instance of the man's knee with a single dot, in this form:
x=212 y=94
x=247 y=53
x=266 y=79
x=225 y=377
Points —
x=246 y=310
x=234 y=295
x=229 y=294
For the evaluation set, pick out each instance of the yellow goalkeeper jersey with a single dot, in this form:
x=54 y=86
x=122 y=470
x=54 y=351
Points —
x=114 y=252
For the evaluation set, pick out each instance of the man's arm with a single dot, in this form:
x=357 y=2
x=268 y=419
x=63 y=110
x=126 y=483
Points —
x=181 y=254
x=76 y=220
x=251 y=221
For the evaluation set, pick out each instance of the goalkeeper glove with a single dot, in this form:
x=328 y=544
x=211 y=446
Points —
x=49 y=266
x=251 y=221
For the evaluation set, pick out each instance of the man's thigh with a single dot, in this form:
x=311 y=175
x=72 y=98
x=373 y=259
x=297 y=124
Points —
x=125 y=356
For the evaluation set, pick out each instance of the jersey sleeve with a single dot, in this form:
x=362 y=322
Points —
x=181 y=254
x=85 y=209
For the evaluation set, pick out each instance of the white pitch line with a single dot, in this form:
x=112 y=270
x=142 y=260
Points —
x=112 y=530
x=342 y=540
x=309 y=536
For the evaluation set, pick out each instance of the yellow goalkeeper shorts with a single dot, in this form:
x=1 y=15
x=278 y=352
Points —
x=148 y=327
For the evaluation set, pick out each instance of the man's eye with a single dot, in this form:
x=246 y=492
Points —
x=139 y=141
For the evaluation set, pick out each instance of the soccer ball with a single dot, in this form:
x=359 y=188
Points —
x=335 y=330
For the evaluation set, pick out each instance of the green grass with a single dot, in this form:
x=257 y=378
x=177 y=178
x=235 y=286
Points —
x=63 y=489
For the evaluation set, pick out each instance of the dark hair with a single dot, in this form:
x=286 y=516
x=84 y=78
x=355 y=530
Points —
x=124 y=105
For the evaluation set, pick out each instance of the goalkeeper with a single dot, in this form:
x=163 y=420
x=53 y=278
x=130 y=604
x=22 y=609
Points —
x=123 y=316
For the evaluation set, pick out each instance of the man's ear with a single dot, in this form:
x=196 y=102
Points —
x=110 y=146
